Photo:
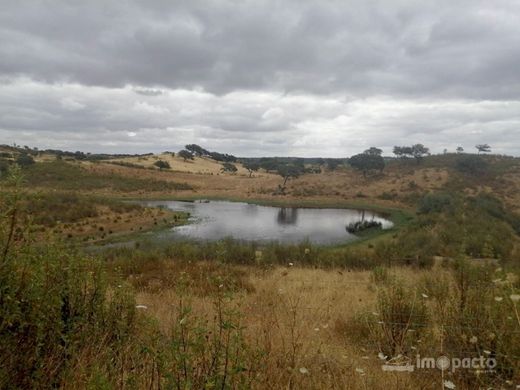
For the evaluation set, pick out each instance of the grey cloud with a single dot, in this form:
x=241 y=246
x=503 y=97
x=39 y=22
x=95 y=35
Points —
x=459 y=49
x=246 y=123
x=304 y=78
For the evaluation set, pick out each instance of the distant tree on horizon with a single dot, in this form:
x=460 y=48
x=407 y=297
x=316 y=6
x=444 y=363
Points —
x=333 y=163
x=417 y=151
x=185 y=155
x=366 y=163
x=460 y=149
x=483 y=148
x=197 y=150
x=373 y=151
x=251 y=167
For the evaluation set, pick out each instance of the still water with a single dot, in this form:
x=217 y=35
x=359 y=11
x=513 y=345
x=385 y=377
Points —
x=214 y=220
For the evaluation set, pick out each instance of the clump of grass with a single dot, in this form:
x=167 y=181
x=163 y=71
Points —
x=208 y=353
x=462 y=311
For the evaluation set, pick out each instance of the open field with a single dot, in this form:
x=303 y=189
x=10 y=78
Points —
x=393 y=188
x=226 y=314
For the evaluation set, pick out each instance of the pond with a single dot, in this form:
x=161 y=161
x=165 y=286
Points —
x=214 y=220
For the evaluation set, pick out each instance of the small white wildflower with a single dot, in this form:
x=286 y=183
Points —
x=498 y=299
x=119 y=286
x=424 y=295
x=381 y=356
x=307 y=251
x=220 y=285
x=360 y=371
x=291 y=264
x=473 y=340
x=141 y=307
x=449 y=384
x=515 y=297
x=303 y=371
x=487 y=352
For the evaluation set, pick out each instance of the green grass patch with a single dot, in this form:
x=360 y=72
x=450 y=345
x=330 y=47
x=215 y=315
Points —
x=64 y=176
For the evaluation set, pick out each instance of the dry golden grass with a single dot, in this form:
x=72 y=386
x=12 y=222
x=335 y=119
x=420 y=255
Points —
x=299 y=318
x=343 y=185
x=110 y=223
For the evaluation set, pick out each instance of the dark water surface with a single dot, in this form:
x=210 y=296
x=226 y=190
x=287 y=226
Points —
x=214 y=220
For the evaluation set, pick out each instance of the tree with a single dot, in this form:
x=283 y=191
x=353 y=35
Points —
x=460 y=149
x=333 y=163
x=185 y=155
x=419 y=151
x=251 y=167
x=197 y=150
x=228 y=167
x=403 y=151
x=483 y=148
x=222 y=157
x=367 y=162
x=24 y=160
x=288 y=171
x=269 y=164
x=161 y=164
x=373 y=151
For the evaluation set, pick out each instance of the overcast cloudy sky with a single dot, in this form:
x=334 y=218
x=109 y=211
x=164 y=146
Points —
x=254 y=78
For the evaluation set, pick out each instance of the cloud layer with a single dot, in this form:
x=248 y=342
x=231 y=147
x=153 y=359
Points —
x=260 y=78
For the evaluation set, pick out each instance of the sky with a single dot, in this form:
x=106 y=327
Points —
x=260 y=78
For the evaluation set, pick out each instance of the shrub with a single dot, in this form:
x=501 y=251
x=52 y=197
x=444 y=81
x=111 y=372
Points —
x=24 y=160
x=436 y=203
x=471 y=165
x=161 y=164
x=401 y=318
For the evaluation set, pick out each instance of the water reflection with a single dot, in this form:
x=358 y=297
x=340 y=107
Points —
x=219 y=219
x=287 y=216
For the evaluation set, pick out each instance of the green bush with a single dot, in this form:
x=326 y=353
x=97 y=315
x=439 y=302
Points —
x=436 y=203
x=471 y=165
x=65 y=324
x=55 y=306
